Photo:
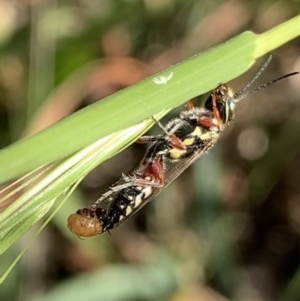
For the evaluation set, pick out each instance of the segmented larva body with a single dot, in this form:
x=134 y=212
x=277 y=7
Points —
x=86 y=223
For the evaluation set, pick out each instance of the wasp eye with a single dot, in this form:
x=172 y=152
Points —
x=224 y=90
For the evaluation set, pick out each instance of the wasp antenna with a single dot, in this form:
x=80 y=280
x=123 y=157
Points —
x=237 y=99
x=239 y=95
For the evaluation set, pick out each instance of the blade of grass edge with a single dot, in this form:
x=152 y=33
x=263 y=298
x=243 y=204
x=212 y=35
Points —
x=33 y=238
x=17 y=218
x=194 y=76
x=188 y=79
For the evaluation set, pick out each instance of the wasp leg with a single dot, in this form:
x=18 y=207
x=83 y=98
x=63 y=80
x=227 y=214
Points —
x=149 y=139
x=216 y=112
x=112 y=190
x=189 y=105
x=207 y=122
x=152 y=175
x=172 y=139
x=160 y=138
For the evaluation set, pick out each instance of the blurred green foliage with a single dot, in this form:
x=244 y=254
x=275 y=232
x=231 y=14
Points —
x=228 y=228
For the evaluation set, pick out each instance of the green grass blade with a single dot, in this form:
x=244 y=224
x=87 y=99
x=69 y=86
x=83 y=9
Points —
x=188 y=79
x=163 y=90
x=81 y=132
x=166 y=89
x=277 y=36
x=33 y=204
x=13 y=264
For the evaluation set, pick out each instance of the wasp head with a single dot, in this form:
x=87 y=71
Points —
x=223 y=97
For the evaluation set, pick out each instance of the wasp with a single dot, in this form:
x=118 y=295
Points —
x=129 y=194
x=184 y=140
x=125 y=197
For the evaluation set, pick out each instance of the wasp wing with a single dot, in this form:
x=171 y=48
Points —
x=174 y=170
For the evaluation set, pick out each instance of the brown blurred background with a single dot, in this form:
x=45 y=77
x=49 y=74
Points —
x=228 y=228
